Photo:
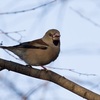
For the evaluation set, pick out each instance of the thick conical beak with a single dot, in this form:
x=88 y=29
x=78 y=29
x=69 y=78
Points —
x=56 y=36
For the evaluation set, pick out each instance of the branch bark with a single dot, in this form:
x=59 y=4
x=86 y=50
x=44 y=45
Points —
x=50 y=76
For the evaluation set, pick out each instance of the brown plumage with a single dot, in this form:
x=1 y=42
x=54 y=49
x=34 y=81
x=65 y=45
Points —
x=38 y=52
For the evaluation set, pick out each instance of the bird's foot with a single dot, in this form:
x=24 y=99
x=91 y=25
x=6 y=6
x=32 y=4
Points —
x=44 y=68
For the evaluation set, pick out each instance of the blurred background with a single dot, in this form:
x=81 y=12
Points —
x=79 y=24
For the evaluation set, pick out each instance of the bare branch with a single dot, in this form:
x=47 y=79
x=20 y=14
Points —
x=33 y=90
x=72 y=70
x=12 y=87
x=50 y=76
x=27 y=10
x=81 y=15
x=17 y=32
x=12 y=55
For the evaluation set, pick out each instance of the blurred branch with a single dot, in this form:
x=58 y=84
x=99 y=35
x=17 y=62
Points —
x=72 y=70
x=33 y=90
x=15 y=31
x=23 y=96
x=83 y=16
x=45 y=90
x=7 y=34
x=12 y=55
x=22 y=11
x=12 y=87
x=50 y=76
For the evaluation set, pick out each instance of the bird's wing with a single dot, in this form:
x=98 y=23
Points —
x=36 y=44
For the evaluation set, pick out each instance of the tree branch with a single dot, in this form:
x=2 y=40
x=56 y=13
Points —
x=50 y=76
x=83 y=16
x=27 y=10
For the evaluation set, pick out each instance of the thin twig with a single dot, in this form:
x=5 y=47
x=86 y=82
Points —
x=16 y=31
x=33 y=90
x=7 y=34
x=72 y=70
x=12 y=55
x=11 y=86
x=81 y=15
x=22 y=11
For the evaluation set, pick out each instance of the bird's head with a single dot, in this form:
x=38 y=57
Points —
x=53 y=36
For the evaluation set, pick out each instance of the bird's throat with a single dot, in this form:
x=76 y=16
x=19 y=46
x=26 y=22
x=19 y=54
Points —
x=56 y=42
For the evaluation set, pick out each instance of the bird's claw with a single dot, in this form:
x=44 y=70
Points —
x=44 y=68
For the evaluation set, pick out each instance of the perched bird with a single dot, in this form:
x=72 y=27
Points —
x=38 y=52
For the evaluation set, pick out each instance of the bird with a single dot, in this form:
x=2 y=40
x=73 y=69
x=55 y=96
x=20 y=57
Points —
x=39 y=52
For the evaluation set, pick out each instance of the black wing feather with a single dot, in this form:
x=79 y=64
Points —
x=29 y=46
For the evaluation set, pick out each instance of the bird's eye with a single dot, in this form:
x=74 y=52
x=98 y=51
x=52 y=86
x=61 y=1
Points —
x=50 y=34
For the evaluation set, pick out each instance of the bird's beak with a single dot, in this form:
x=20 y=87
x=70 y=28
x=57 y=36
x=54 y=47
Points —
x=56 y=36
